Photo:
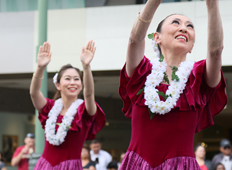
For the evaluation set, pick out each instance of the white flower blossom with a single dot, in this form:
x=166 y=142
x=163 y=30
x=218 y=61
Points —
x=151 y=96
x=55 y=79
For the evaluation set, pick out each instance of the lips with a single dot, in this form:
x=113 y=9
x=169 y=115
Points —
x=183 y=37
x=72 y=89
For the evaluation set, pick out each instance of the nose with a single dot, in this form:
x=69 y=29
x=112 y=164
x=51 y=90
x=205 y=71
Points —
x=72 y=81
x=183 y=28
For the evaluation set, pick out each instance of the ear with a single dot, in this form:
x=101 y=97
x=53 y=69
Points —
x=157 y=37
x=57 y=86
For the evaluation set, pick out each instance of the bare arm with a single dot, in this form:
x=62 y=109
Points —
x=44 y=57
x=87 y=55
x=215 y=44
x=136 y=45
x=15 y=160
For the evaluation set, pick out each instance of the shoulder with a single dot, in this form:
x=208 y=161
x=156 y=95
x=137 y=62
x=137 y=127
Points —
x=20 y=147
x=102 y=152
x=217 y=156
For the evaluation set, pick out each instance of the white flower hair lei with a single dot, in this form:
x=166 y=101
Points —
x=55 y=79
x=155 y=48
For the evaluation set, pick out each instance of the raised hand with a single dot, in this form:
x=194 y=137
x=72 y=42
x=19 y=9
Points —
x=44 y=55
x=87 y=53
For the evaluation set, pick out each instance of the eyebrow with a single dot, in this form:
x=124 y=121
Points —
x=70 y=76
x=180 y=20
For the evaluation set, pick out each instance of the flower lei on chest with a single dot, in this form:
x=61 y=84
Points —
x=158 y=74
x=58 y=138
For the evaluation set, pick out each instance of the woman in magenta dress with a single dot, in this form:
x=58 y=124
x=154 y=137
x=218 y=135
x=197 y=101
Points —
x=67 y=120
x=169 y=99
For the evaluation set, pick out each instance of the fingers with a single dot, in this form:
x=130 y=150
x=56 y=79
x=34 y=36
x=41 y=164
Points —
x=94 y=50
x=92 y=46
x=40 y=49
x=49 y=46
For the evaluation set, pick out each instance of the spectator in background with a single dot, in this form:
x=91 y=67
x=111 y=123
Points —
x=100 y=157
x=200 y=157
x=225 y=157
x=220 y=166
x=121 y=158
x=87 y=164
x=112 y=166
x=22 y=153
x=2 y=164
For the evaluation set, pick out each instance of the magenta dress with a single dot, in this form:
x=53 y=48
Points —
x=67 y=156
x=166 y=141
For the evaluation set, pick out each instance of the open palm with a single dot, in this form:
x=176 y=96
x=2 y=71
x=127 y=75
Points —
x=44 y=55
x=87 y=52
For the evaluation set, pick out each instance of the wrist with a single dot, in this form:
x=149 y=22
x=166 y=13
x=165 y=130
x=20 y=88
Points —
x=85 y=66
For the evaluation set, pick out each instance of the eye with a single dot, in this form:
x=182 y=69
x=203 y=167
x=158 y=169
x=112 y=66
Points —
x=190 y=25
x=76 y=79
x=67 y=78
x=175 y=22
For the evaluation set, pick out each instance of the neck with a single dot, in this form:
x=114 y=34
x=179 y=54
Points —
x=67 y=102
x=173 y=59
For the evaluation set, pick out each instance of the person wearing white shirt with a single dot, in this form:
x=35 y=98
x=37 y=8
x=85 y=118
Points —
x=100 y=157
x=225 y=157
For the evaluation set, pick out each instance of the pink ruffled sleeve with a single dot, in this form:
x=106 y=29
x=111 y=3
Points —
x=95 y=123
x=210 y=101
x=43 y=114
x=129 y=86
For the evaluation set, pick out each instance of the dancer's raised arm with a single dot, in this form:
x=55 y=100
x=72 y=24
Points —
x=215 y=44
x=136 y=45
x=87 y=55
x=44 y=57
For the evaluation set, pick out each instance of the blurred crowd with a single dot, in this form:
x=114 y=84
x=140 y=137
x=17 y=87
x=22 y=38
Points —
x=94 y=158
x=220 y=161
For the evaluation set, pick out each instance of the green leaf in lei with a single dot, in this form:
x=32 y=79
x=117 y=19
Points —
x=140 y=91
x=151 y=114
x=164 y=95
x=60 y=124
x=161 y=58
x=150 y=36
x=174 y=76
x=166 y=77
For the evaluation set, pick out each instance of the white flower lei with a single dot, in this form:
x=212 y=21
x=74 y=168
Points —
x=174 y=90
x=58 y=138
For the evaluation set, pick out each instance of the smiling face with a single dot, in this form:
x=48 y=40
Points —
x=70 y=83
x=200 y=152
x=177 y=33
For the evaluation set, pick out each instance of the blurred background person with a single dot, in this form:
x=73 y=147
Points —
x=22 y=153
x=100 y=157
x=87 y=164
x=121 y=158
x=2 y=164
x=112 y=166
x=200 y=157
x=225 y=157
x=220 y=166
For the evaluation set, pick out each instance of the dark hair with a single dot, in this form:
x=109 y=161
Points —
x=60 y=73
x=159 y=28
x=197 y=146
x=95 y=141
x=218 y=164
x=113 y=164
x=85 y=146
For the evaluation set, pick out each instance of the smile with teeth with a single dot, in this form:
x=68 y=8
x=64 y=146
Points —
x=72 y=89
x=182 y=37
